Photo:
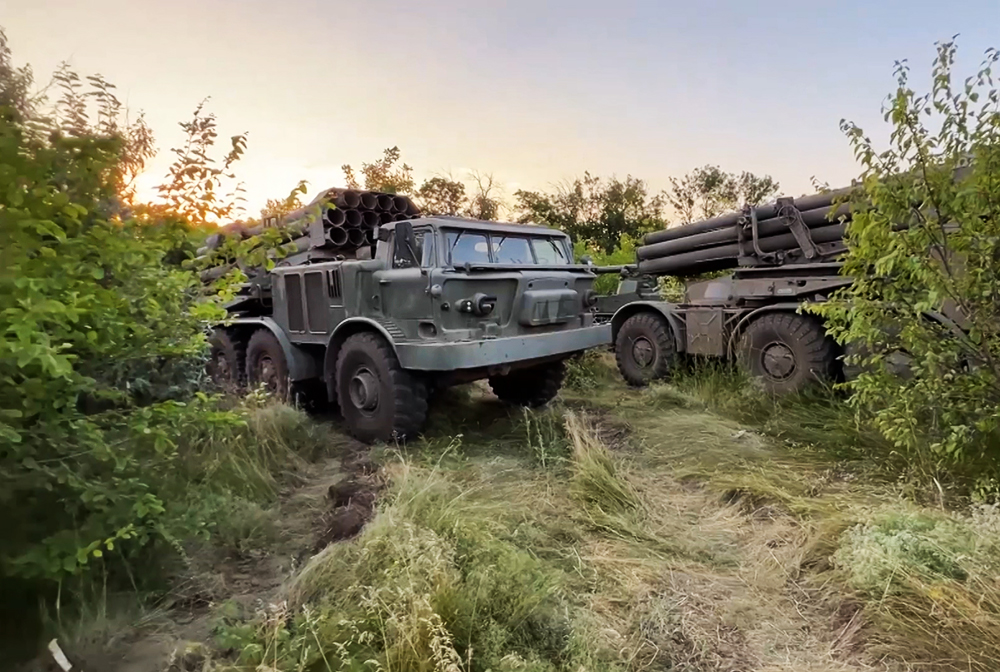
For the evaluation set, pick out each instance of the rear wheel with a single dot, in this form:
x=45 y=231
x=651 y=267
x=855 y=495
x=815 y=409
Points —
x=266 y=364
x=227 y=360
x=380 y=401
x=645 y=349
x=788 y=352
x=532 y=387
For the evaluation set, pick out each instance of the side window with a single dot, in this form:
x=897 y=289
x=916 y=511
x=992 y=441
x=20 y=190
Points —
x=424 y=251
x=466 y=247
x=511 y=250
x=549 y=250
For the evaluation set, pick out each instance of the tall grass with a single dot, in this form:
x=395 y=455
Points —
x=930 y=582
x=437 y=581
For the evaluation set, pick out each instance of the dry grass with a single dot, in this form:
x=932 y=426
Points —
x=638 y=530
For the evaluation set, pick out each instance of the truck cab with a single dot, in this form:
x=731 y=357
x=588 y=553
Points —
x=438 y=301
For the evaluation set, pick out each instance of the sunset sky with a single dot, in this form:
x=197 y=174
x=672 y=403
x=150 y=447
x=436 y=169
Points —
x=534 y=91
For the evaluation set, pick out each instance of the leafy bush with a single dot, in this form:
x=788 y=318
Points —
x=103 y=338
x=924 y=242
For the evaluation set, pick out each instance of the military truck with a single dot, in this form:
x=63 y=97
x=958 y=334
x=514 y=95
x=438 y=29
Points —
x=780 y=255
x=435 y=301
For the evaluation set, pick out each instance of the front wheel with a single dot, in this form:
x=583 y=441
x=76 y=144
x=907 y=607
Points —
x=645 y=349
x=532 y=387
x=788 y=352
x=379 y=400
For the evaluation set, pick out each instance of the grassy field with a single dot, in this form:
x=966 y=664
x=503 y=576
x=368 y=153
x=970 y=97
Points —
x=695 y=526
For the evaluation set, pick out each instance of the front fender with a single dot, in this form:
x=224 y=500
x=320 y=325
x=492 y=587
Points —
x=662 y=308
x=301 y=364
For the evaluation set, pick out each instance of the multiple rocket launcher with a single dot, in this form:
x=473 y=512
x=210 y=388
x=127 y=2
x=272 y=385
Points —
x=812 y=227
x=336 y=224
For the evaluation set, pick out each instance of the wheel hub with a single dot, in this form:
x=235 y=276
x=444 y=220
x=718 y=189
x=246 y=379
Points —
x=363 y=389
x=642 y=352
x=778 y=361
x=268 y=373
x=221 y=366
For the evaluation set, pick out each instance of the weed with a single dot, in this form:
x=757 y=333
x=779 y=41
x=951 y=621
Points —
x=930 y=583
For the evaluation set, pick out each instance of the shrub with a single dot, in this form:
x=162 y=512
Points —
x=923 y=242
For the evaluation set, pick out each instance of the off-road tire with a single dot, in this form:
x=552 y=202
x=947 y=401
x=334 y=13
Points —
x=532 y=387
x=787 y=352
x=265 y=363
x=310 y=396
x=401 y=404
x=227 y=361
x=650 y=334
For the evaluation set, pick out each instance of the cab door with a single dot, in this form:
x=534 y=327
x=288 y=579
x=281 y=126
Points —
x=404 y=289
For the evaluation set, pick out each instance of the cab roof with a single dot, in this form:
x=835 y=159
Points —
x=447 y=221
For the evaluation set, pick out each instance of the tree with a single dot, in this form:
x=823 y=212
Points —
x=709 y=191
x=382 y=175
x=441 y=196
x=925 y=235
x=595 y=211
x=279 y=207
x=192 y=189
x=486 y=203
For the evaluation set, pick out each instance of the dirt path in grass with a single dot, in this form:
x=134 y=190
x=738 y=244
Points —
x=330 y=501
x=723 y=567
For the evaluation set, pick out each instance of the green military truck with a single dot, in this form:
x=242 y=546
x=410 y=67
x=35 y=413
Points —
x=780 y=256
x=419 y=304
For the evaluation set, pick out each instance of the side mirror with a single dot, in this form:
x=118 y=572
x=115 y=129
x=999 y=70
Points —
x=404 y=244
x=587 y=259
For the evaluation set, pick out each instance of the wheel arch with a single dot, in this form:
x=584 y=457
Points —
x=341 y=333
x=662 y=308
x=301 y=364
x=745 y=320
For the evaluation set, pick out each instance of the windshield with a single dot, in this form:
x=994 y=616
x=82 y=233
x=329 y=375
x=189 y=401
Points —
x=476 y=247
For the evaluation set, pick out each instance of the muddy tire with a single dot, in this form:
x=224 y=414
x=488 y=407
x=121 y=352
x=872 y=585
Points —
x=266 y=364
x=532 y=387
x=227 y=361
x=645 y=349
x=787 y=352
x=379 y=400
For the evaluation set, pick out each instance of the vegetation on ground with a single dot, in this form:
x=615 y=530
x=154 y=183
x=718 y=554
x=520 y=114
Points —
x=696 y=525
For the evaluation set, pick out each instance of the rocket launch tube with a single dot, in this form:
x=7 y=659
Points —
x=679 y=263
x=768 y=227
x=805 y=203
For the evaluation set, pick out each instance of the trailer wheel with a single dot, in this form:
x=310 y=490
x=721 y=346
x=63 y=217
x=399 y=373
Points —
x=532 y=387
x=788 y=352
x=645 y=349
x=266 y=364
x=226 y=360
x=378 y=399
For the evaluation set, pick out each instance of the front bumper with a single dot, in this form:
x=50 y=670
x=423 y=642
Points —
x=496 y=351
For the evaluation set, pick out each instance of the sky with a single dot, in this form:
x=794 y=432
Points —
x=534 y=91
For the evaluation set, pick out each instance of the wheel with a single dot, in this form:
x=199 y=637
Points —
x=266 y=364
x=532 y=387
x=310 y=396
x=788 y=352
x=645 y=349
x=227 y=360
x=378 y=399
x=898 y=363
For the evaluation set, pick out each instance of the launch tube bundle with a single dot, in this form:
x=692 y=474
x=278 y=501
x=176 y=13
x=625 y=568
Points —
x=811 y=227
x=336 y=224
